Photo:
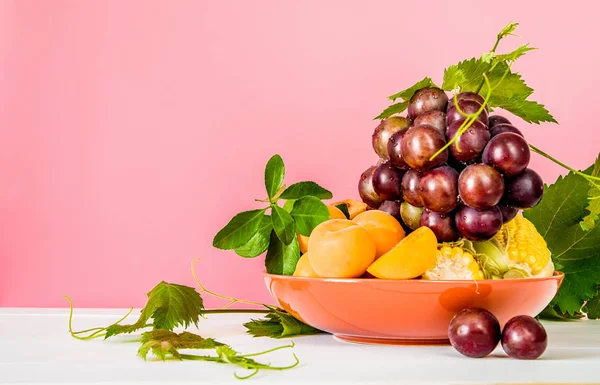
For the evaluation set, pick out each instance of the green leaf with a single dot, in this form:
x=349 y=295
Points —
x=592 y=308
x=283 y=224
x=467 y=75
x=514 y=55
x=169 y=305
x=279 y=324
x=259 y=243
x=557 y=217
x=508 y=30
x=589 y=221
x=304 y=189
x=282 y=259
x=239 y=230
x=344 y=208
x=392 y=110
x=289 y=205
x=531 y=112
x=164 y=343
x=308 y=212
x=274 y=174
x=410 y=91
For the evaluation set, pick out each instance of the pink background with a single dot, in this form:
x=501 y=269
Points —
x=133 y=130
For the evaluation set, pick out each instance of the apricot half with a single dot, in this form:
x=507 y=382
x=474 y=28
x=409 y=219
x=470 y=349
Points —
x=408 y=259
x=383 y=228
x=303 y=268
x=339 y=248
x=334 y=213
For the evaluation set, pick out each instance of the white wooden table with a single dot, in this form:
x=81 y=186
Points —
x=35 y=348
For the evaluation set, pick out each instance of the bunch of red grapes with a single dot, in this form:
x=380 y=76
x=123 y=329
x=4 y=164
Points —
x=469 y=191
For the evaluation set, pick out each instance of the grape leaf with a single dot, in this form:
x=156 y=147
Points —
x=391 y=110
x=259 y=243
x=239 y=230
x=410 y=91
x=169 y=305
x=283 y=224
x=304 y=189
x=592 y=307
x=164 y=343
x=529 y=111
x=508 y=30
x=557 y=217
x=344 y=208
x=514 y=55
x=467 y=75
x=593 y=207
x=274 y=174
x=308 y=212
x=279 y=324
x=282 y=259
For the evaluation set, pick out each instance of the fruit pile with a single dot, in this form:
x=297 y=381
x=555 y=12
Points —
x=461 y=179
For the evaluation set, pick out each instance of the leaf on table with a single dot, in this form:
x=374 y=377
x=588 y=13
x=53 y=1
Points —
x=309 y=212
x=239 y=230
x=304 y=189
x=557 y=217
x=169 y=305
x=589 y=221
x=283 y=224
x=281 y=258
x=279 y=324
x=259 y=243
x=165 y=343
x=274 y=174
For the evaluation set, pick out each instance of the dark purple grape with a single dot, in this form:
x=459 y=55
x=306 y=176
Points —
x=442 y=225
x=468 y=95
x=478 y=225
x=365 y=188
x=480 y=186
x=411 y=215
x=493 y=120
x=508 y=213
x=435 y=119
x=502 y=127
x=426 y=99
x=410 y=188
x=391 y=207
x=468 y=107
x=384 y=131
x=524 y=190
x=508 y=153
x=471 y=143
x=438 y=189
x=394 y=149
x=474 y=332
x=419 y=144
x=524 y=338
x=387 y=180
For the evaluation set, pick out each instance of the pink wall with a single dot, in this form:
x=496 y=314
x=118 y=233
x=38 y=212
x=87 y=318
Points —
x=133 y=130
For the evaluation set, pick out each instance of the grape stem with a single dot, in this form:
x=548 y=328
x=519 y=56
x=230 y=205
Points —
x=593 y=180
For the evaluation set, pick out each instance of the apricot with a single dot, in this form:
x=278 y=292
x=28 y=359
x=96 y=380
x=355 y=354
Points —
x=303 y=268
x=383 y=228
x=334 y=213
x=410 y=258
x=339 y=248
x=355 y=207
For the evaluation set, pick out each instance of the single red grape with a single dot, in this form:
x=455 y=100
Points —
x=384 y=131
x=470 y=144
x=480 y=186
x=478 y=225
x=524 y=190
x=508 y=153
x=438 y=189
x=474 y=332
x=387 y=180
x=419 y=144
x=442 y=225
x=365 y=188
x=394 y=149
x=497 y=119
x=435 y=119
x=410 y=188
x=524 y=337
x=427 y=99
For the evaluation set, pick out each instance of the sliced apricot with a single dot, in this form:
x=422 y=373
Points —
x=339 y=248
x=385 y=230
x=410 y=258
x=334 y=213
x=303 y=268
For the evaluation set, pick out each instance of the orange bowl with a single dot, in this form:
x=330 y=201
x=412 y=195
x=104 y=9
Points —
x=404 y=311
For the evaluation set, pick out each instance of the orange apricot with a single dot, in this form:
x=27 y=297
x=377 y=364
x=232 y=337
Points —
x=339 y=248
x=410 y=258
x=303 y=268
x=334 y=213
x=385 y=230
x=354 y=206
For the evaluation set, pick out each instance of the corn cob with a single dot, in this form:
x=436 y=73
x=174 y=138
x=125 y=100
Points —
x=525 y=246
x=454 y=263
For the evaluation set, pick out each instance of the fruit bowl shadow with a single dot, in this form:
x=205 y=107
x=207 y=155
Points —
x=380 y=311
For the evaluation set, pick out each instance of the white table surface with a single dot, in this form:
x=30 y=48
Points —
x=35 y=348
